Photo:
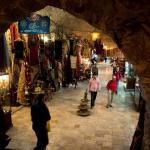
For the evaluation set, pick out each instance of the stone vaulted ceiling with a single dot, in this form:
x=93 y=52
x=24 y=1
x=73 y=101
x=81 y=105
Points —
x=70 y=23
x=127 y=22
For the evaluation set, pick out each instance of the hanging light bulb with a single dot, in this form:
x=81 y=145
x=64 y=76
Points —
x=95 y=35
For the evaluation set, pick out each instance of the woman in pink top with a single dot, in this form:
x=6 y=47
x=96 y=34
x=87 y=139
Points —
x=93 y=88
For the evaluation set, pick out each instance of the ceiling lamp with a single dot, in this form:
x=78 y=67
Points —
x=95 y=36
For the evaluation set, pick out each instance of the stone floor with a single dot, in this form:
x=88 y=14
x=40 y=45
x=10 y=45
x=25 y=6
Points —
x=104 y=129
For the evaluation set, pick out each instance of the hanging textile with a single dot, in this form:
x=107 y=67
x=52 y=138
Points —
x=6 y=51
x=79 y=59
x=71 y=47
x=27 y=69
x=58 y=50
x=99 y=47
x=14 y=34
x=86 y=49
x=68 y=70
x=4 y=56
x=21 y=86
x=65 y=48
x=19 y=49
x=33 y=44
x=59 y=72
x=15 y=75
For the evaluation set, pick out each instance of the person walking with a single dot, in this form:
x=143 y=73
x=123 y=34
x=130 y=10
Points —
x=40 y=115
x=111 y=88
x=118 y=75
x=94 y=86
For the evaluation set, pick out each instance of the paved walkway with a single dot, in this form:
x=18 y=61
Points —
x=104 y=129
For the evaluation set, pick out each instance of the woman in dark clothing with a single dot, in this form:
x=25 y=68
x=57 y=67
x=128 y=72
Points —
x=40 y=115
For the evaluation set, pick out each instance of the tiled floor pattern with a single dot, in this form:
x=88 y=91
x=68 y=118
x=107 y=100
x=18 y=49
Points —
x=104 y=129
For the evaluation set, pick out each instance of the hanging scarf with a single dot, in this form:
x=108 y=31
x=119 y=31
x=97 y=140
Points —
x=14 y=34
x=21 y=86
x=27 y=69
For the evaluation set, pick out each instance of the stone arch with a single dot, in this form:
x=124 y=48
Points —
x=127 y=22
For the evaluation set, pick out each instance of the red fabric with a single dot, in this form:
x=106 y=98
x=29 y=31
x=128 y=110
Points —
x=14 y=34
x=34 y=58
x=112 y=85
x=118 y=75
x=33 y=41
x=27 y=69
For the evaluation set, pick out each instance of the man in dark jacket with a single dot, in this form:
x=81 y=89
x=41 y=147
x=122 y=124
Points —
x=40 y=115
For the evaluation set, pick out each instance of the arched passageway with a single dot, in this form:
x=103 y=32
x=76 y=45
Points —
x=127 y=22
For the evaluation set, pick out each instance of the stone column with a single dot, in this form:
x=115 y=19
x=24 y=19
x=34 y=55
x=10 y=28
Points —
x=145 y=86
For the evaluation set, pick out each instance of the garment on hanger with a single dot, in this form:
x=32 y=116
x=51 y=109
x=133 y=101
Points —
x=19 y=49
x=99 y=47
x=21 y=86
x=14 y=34
x=58 y=50
x=33 y=45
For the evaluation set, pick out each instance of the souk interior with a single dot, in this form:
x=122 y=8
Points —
x=59 y=62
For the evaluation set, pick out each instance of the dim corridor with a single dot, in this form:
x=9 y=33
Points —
x=105 y=129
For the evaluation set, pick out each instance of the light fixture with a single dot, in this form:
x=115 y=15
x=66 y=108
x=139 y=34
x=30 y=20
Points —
x=95 y=36
x=4 y=83
x=45 y=38
x=105 y=47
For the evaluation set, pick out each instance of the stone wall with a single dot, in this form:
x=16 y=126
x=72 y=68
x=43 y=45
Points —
x=127 y=22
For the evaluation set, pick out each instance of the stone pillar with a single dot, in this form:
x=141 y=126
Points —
x=145 y=86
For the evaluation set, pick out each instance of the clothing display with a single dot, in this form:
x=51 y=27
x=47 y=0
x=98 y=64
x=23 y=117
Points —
x=33 y=44
x=3 y=53
x=99 y=47
x=27 y=69
x=72 y=45
x=19 y=49
x=79 y=60
x=14 y=34
x=21 y=86
x=58 y=50
x=59 y=72
x=86 y=52
x=68 y=71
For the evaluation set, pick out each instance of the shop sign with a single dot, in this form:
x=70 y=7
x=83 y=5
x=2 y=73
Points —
x=35 y=25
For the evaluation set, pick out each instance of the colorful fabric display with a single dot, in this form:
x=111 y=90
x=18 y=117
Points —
x=14 y=34
x=86 y=50
x=3 y=53
x=33 y=41
x=21 y=86
x=59 y=72
x=99 y=47
x=79 y=60
x=58 y=50
x=71 y=47
x=27 y=69
x=19 y=49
